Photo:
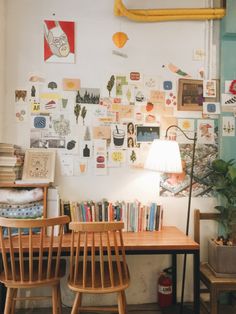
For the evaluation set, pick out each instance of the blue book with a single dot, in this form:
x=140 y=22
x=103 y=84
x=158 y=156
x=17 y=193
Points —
x=152 y=217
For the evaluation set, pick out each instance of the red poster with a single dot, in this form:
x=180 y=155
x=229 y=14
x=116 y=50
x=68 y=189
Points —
x=59 y=41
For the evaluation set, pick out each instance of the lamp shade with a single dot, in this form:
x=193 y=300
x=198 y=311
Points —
x=164 y=156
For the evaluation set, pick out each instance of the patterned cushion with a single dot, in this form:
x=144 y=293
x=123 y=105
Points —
x=29 y=210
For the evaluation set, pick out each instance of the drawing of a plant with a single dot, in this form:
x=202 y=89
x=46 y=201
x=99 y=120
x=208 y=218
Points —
x=110 y=84
x=133 y=156
x=83 y=113
x=77 y=111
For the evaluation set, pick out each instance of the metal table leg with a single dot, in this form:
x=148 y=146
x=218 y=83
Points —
x=174 y=277
x=196 y=282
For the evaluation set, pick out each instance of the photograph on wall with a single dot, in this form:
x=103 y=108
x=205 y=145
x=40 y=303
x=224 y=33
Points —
x=88 y=95
x=209 y=88
x=178 y=184
x=147 y=134
x=59 y=41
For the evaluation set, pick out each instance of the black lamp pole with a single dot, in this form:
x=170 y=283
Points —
x=194 y=139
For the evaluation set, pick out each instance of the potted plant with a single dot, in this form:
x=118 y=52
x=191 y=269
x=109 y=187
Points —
x=222 y=253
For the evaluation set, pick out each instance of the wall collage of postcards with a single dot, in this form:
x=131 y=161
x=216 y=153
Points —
x=96 y=129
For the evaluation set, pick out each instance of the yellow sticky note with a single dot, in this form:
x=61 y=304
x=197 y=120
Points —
x=35 y=107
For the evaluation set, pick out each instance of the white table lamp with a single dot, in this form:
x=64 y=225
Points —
x=164 y=156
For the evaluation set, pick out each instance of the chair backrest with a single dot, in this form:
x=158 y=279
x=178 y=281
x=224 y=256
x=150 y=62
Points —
x=27 y=246
x=202 y=216
x=100 y=243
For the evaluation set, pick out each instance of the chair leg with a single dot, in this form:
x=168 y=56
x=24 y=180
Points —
x=121 y=305
x=213 y=301
x=14 y=295
x=59 y=299
x=124 y=301
x=55 y=299
x=8 y=304
x=77 y=303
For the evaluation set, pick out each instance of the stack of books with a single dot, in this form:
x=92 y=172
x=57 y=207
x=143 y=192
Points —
x=135 y=215
x=11 y=162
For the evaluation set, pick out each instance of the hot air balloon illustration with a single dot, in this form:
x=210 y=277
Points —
x=120 y=39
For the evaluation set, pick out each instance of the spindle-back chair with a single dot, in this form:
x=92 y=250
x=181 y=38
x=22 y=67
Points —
x=98 y=263
x=30 y=259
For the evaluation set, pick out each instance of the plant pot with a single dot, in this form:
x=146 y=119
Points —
x=221 y=259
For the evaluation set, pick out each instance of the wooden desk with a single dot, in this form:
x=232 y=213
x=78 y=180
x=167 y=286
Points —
x=170 y=240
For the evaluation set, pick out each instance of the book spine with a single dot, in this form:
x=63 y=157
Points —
x=66 y=211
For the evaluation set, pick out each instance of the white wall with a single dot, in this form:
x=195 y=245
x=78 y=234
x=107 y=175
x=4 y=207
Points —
x=2 y=63
x=149 y=47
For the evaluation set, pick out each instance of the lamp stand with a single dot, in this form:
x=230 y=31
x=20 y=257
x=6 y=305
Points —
x=188 y=219
x=194 y=139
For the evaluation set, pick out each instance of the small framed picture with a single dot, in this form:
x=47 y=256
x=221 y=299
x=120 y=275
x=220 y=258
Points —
x=39 y=165
x=190 y=95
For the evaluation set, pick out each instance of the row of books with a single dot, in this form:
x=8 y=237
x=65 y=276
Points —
x=11 y=162
x=135 y=215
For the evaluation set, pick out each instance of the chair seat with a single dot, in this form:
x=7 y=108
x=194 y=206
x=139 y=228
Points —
x=208 y=276
x=98 y=288
x=35 y=278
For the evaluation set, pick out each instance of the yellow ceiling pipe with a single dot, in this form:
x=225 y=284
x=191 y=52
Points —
x=159 y=15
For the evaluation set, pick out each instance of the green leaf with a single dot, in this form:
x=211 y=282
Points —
x=232 y=172
x=219 y=165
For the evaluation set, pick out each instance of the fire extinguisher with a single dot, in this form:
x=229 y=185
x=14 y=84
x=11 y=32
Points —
x=165 y=288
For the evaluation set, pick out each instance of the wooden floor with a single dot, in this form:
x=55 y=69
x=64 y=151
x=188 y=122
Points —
x=136 y=309
x=132 y=309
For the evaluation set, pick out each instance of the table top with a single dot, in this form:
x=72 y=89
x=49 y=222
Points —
x=169 y=238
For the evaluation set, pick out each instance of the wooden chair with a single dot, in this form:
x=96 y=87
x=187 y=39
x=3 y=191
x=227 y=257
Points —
x=98 y=263
x=29 y=260
x=214 y=285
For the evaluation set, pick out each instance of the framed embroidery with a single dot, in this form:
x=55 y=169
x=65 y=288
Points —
x=39 y=165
